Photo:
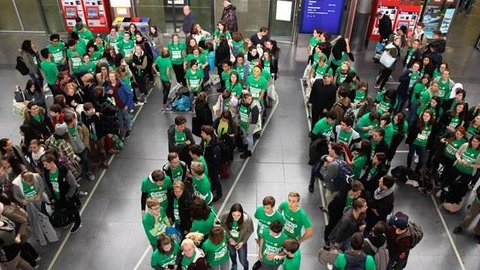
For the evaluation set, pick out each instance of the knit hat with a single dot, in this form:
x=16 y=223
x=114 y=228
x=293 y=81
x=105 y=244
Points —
x=399 y=220
x=60 y=129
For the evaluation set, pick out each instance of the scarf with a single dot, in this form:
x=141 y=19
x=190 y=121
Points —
x=380 y=193
x=39 y=154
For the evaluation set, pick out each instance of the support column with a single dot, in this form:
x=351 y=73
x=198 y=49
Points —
x=360 y=26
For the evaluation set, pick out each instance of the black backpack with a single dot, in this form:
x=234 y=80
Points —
x=21 y=66
x=358 y=265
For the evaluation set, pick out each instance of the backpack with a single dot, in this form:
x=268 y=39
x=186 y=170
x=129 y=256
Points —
x=358 y=265
x=400 y=173
x=182 y=104
x=381 y=256
x=21 y=66
x=415 y=232
x=344 y=176
x=72 y=165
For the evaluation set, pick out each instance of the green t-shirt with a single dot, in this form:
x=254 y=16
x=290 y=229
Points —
x=424 y=101
x=54 y=181
x=389 y=130
x=180 y=137
x=153 y=190
x=163 y=65
x=454 y=122
x=219 y=35
x=37 y=118
x=323 y=127
x=443 y=89
x=470 y=156
x=243 y=112
x=163 y=260
x=341 y=76
x=201 y=59
x=238 y=47
x=187 y=261
x=264 y=220
x=344 y=136
x=177 y=52
x=321 y=70
x=359 y=163
x=177 y=173
x=235 y=232
x=240 y=70
x=204 y=226
x=235 y=89
x=257 y=86
x=50 y=70
x=215 y=254
x=437 y=74
x=194 y=79
x=294 y=221
x=266 y=66
x=472 y=130
x=226 y=77
x=176 y=211
x=397 y=131
x=57 y=52
x=418 y=89
x=75 y=57
x=29 y=190
x=84 y=34
x=126 y=49
x=413 y=78
x=272 y=245
x=313 y=41
x=452 y=147
x=294 y=262
x=422 y=137
x=155 y=227
x=204 y=163
x=95 y=57
x=90 y=68
x=341 y=262
x=384 y=106
x=112 y=40
x=365 y=121
x=202 y=188
x=359 y=95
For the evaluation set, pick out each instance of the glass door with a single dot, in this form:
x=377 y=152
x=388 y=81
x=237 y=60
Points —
x=283 y=20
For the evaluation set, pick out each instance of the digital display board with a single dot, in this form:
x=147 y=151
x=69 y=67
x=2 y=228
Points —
x=323 y=14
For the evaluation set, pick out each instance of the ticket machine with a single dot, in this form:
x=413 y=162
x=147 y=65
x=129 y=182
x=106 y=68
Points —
x=94 y=13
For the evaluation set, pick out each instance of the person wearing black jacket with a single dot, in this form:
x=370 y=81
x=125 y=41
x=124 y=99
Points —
x=96 y=123
x=222 y=54
x=175 y=168
x=203 y=114
x=229 y=16
x=61 y=188
x=414 y=54
x=213 y=156
x=342 y=201
x=143 y=41
x=378 y=142
x=34 y=115
x=384 y=25
x=407 y=80
x=322 y=97
x=380 y=203
x=139 y=68
x=178 y=209
x=376 y=170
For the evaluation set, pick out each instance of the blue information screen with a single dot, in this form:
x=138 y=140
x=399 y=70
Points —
x=323 y=14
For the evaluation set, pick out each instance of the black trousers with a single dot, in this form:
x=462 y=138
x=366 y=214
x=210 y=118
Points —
x=166 y=89
x=179 y=73
x=383 y=78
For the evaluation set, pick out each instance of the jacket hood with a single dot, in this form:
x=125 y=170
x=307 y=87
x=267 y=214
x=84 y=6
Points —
x=353 y=258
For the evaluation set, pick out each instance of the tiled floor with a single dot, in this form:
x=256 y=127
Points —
x=112 y=236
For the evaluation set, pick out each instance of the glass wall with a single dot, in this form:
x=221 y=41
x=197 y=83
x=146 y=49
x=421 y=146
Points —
x=8 y=19
x=155 y=10
x=29 y=16
x=281 y=26
x=251 y=14
x=31 y=20
x=53 y=15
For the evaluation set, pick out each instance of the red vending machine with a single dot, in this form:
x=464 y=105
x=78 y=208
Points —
x=94 y=13
x=400 y=12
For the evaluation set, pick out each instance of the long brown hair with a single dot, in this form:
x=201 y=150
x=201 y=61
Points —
x=421 y=124
x=235 y=208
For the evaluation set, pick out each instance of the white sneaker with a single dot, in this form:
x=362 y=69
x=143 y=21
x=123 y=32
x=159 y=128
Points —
x=412 y=183
x=138 y=103
x=415 y=159
x=439 y=193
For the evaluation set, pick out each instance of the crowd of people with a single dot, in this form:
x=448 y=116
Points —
x=356 y=133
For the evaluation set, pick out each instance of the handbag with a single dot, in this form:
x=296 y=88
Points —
x=60 y=217
x=19 y=102
x=386 y=59
x=328 y=255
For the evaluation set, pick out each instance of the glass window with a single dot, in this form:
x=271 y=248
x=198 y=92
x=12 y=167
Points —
x=53 y=15
x=251 y=14
x=154 y=10
x=8 y=19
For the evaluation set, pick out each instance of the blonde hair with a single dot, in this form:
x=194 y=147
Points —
x=152 y=202
x=187 y=242
x=294 y=194
x=179 y=184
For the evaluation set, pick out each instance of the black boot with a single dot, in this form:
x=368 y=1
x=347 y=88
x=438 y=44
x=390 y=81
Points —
x=246 y=154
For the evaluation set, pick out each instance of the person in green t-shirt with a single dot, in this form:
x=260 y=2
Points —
x=126 y=47
x=360 y=159
x=49 y=68
x=257 y=85
x=203 y=216
x=235 y=86
x=75 y=55
x=191 y=256
x=291 y=247
x=82 y=30
x=271 y=246
x=155 y=221
x=266 y=214
x=57 y=48
x=295 y=218
x=87 y=65
x=194 y=78
x=215 y=248
x=177 y=55
x=367 y=123
x=355 y=257
x=112 y=38
x=94 y=52
x=165 y=256
x=196 y=153
x=324 y=127
x=446 y=155
x=418 y=139
x=156 y=185
x=163 y=68
x=314 y=40
x=201 y=184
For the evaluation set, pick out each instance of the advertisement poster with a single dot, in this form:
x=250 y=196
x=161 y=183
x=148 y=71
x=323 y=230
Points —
x=324 y=14
x=432 y=19
x=447 y=20
x=391 y=12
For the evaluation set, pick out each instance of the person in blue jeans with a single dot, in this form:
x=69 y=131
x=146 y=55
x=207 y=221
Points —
x=123 y=97
x=238 y=227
